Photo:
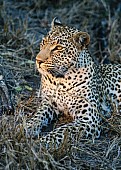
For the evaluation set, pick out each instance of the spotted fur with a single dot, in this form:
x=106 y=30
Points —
x=71 y=80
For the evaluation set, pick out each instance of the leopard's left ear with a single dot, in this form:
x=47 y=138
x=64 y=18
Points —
x=55 y=22
x=81 y=39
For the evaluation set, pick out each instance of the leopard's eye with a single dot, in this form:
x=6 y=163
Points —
x=58 y=47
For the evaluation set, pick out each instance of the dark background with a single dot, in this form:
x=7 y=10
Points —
x=22 y=26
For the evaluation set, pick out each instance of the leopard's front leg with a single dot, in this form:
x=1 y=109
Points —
x=87 y=123
x=44 y=116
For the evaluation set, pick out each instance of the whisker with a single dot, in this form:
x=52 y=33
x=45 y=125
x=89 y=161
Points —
x=52 y=69
x=49 y=65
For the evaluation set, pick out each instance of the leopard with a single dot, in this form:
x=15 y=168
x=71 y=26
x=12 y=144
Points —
x=73 y=84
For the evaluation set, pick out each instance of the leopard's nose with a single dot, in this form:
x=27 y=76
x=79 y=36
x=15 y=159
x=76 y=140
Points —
x=42 y=56
x=38 y=59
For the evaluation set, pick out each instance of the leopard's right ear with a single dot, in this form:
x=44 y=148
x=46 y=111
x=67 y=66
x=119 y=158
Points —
x=81 y=39
x=55 y=22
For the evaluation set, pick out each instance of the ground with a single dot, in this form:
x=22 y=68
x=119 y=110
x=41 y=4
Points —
x=22 y=26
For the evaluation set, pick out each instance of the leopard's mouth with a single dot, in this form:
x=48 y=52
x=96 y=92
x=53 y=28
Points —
x=49 y=68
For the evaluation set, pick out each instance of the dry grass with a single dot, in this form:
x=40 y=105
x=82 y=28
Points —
x=23 y=24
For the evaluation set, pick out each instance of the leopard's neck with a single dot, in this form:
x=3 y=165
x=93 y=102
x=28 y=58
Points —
x=85 y=58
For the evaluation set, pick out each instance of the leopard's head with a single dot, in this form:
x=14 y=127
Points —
x=60 y=49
